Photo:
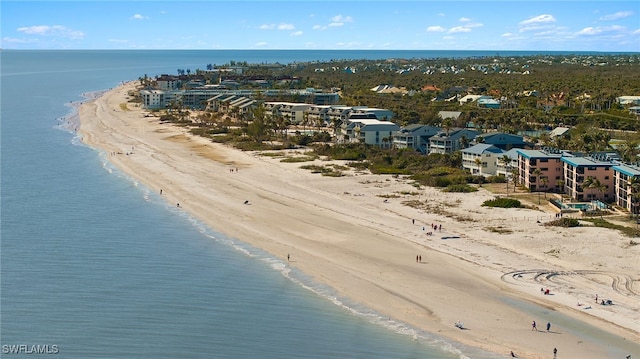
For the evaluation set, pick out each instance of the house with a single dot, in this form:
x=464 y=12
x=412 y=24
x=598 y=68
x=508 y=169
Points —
x=488 y=103
x=626 y=183
x=504 y=141
x=481 y=159
x=444 y=142
x=454 y=115
x=628 y=100
x=415 y=137
x=379 y=113
x=559 y=131
x=540 y=170
x=473 y=98
x=577 y=173
x=371 y=131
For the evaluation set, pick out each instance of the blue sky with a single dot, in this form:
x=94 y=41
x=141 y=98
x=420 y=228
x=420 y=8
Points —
x=561 y=25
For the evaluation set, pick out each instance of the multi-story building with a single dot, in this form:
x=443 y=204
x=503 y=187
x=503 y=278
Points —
x=581 y=176
x=444 y=142
x=626 y=183
x=540 y=170
x=371 y=131
x=481 y=159
x=415 y=137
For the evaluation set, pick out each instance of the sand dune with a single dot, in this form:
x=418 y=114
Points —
x=342 y=232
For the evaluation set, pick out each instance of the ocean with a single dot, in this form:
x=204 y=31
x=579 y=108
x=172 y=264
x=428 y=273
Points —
x=95 y=265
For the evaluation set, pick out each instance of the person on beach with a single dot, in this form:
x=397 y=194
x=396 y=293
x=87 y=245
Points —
x=548 y=326
x=555 y=353
x=513 y=355
x=288 y=257
x=533 y=326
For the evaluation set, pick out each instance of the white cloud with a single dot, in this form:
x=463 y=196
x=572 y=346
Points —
x=261 y=44
x=474 y=24
x=599 y=30
x=297 y=33
x=540 y=19
x=616 y=16
x=55 y=30
x=12 y=40
x=340 y=20
x=637 y=32
x=319 y=27
x=458 y=29
x=436 y=29
x=286 y=27
x=464 y=19
x=138 y=17
x=118 y=41
x=267 y=27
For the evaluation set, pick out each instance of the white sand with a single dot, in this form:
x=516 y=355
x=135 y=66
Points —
x=342 y=233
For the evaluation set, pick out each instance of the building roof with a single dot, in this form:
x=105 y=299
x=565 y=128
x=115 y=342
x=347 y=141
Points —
x=629 y=170
x=449 y=114
x=558 y=131
x=503 y=138
x=539 y=154
x=586 y=162
x=482 y=148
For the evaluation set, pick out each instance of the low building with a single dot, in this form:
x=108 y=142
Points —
x=450 y=142
x=481 y=159
x=504 y=141
x=415 y=137
x=371 y=131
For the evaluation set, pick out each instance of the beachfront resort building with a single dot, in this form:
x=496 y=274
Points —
x=626 y=183
x=541 y=170
x=587 y=178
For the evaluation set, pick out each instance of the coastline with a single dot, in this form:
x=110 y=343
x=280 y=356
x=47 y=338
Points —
x=340 y=232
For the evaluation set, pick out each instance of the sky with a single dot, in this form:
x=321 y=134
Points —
x=529 y=25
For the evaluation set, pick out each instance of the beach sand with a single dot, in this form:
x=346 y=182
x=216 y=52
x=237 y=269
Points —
x=342 y=233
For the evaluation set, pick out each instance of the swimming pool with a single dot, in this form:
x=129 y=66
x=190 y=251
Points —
x=582 y=206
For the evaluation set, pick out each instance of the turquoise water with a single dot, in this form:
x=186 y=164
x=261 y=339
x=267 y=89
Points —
x=98 y=266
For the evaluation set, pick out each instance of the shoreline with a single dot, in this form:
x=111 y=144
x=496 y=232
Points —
x=341 y=233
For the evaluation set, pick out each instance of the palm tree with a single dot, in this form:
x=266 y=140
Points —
x=478 y=162
x=515 y=174
x=634 y=193
x=506 y=160
x=537 y=172
x=544 y=181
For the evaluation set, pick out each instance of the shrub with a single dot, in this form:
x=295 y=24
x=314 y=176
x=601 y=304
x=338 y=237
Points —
x=564 y=222
x=460 y=188
x=503 y=203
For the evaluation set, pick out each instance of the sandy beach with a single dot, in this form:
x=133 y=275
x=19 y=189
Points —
x=358 y=235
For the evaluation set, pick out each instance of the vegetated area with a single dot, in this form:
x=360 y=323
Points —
x=538 y=93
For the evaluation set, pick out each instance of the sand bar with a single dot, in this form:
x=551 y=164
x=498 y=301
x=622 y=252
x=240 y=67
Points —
x=342 y=232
